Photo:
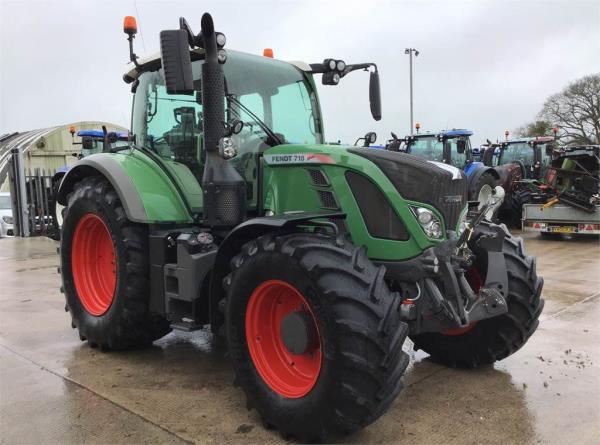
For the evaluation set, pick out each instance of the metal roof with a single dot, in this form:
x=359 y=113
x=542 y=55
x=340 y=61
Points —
x=25 y=140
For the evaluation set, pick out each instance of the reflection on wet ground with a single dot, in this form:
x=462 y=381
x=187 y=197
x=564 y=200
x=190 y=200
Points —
x=55 y=389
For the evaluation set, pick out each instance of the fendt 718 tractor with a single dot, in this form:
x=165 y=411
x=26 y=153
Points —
x=313 y=261
x=453 y=147
x=516 y=161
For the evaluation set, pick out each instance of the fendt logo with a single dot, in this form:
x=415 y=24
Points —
x=452 y=199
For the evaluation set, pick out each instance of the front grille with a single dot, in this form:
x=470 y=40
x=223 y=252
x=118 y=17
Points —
x=419 y=180
x=379 y=217
x=327 y=200
x=318 y=177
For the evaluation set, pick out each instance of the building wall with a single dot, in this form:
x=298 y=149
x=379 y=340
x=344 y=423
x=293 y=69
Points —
x=57 y=149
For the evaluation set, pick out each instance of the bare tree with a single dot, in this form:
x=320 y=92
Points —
x=532 y=129
x=576 y=111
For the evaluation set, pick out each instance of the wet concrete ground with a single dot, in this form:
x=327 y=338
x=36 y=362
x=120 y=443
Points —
x=55 y=389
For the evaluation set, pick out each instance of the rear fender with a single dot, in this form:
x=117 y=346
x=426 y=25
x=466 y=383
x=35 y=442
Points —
x=148 y=195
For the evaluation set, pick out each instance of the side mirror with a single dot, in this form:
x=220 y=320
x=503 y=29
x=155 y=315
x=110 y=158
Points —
x=176 y=62
x=461 y=146
x=549 y=149
x=87 y=143
x=375 y=95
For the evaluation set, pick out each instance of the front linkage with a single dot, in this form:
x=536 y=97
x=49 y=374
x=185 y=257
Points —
x=445 y=300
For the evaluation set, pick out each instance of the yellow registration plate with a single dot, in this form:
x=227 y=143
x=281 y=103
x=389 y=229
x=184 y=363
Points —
x=561 y=229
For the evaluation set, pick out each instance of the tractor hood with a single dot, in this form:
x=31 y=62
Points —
x=439 y=185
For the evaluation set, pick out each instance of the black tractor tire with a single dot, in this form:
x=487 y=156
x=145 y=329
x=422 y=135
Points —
x=485 y=179
x=56 y=227
x=358 y=322
x=512 y=208
x=127 y=322
x=494 y=338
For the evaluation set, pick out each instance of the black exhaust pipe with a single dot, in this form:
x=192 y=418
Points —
x=223 y=187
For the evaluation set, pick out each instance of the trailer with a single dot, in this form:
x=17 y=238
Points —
x=560 y=218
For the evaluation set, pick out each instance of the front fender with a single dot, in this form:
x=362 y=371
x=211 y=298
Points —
x=148 y=195
x=248 y=230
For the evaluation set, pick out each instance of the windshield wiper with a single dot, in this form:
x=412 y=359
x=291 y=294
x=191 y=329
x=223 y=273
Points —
x=260 y=123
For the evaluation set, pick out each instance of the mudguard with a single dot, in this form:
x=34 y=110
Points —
x=232 y=244
x=475 y=170
x=147 y=193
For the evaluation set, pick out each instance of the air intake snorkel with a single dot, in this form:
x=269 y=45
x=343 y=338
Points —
x=224 y=189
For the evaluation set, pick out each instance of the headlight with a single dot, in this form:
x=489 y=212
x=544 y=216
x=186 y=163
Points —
x=424 y=216
x=428 y=221
x=7 y=219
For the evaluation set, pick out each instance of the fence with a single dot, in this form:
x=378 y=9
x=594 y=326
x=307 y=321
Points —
x=32 y=195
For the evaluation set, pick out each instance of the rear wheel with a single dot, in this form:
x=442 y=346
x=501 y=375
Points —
x=104 y=265
x=482 y=188
x=495 y=338
x=57 y=211
x=314 y=334
x=512 y=212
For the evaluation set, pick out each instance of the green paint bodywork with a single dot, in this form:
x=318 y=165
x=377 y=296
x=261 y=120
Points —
x=288 y=188
x=160 y=197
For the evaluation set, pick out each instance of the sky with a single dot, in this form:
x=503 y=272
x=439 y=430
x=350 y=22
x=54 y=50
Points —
x=483 y=65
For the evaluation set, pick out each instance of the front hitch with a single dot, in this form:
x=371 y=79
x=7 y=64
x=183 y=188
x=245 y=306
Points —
x=445 y=299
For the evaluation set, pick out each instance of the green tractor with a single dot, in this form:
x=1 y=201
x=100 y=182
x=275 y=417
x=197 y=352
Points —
x=519 y=162
x=314 y=262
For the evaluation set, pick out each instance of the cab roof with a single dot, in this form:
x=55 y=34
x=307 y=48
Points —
x=530 y=139
x=454 y=133
x=153 y=62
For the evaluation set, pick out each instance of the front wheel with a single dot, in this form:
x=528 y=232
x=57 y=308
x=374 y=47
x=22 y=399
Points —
x=314 y=334
x=492 y=339
x=105 y=270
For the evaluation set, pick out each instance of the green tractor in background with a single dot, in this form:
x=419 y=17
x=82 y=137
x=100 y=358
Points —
x=313 y=261
x=518 y=162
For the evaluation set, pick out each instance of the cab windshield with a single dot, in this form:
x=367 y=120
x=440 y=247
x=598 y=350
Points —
x=520 y=152
x=431 y=148
x=278 y=95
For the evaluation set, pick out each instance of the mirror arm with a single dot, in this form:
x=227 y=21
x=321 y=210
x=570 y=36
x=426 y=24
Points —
x=132 y=55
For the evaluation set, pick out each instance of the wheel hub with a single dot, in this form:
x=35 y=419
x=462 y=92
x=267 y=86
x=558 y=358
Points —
x=299 y=333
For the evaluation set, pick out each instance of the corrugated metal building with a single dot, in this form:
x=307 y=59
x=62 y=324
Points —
x=45 y=148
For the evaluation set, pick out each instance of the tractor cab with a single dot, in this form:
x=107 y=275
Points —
x=97 y=141
x=267 y=102
x=450 y=147
x=532 y=155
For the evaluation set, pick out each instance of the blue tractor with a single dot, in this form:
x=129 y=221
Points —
x=453 y=147
x=92 y=142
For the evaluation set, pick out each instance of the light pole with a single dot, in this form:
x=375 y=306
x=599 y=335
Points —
x=410 y=52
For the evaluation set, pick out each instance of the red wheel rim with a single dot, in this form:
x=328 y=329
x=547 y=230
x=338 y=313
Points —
x=289 y=375
x=94 y=264
x=474 y=278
